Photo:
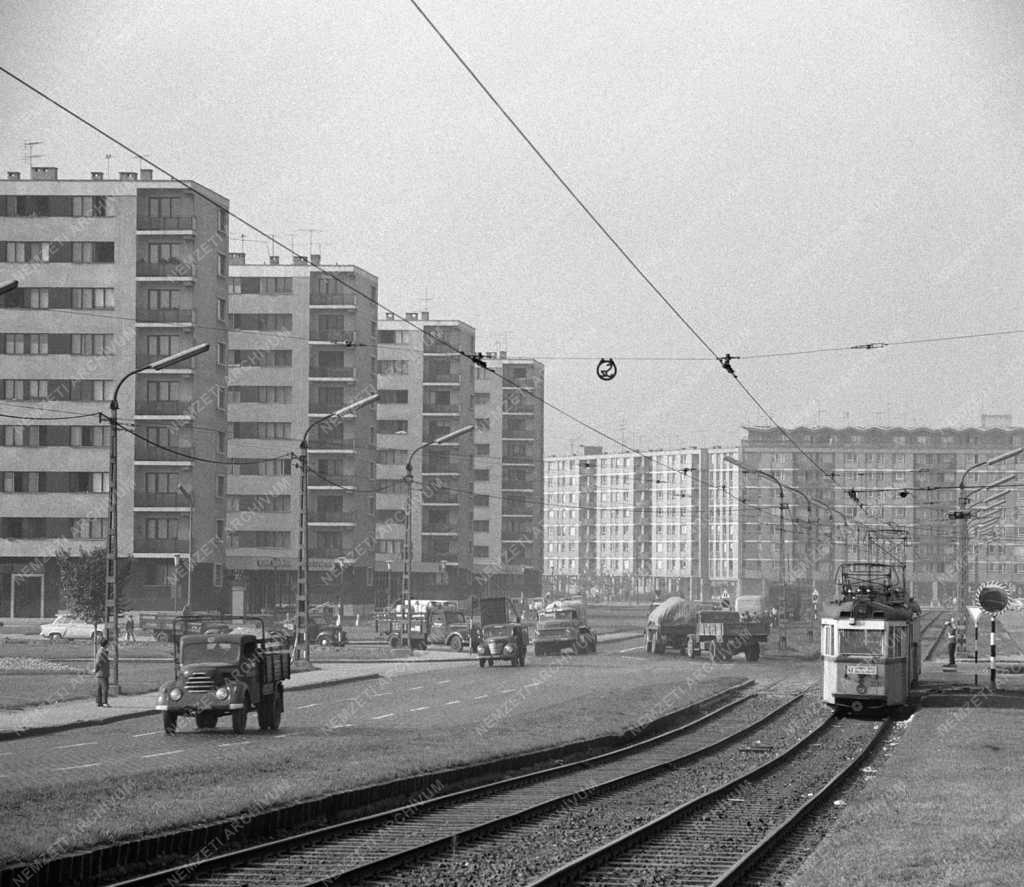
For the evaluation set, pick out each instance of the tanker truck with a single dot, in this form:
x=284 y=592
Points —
x=698 y=627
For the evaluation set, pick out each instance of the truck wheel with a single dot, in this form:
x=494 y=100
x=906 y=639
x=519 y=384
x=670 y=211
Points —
x=239 y=717
x=277 y=710
x=161 y=636
x=205 y=720
x=753 y=651
x=455 y=643
x=719 y=653
x=263 y=713
x=170 y=723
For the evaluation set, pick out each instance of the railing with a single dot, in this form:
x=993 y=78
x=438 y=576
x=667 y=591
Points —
x=165 y=223
x=333 y=517
x=327 y=442
x=444 y=378
x=327 y=371
x=162 y=407
x=172 y=268
x=159 y=500
x=332 y=298
x=146 y=453
x=160 y=546
x=165 y=315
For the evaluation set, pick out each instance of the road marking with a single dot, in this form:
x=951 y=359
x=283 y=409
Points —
x=226 y=744
x=307 y=705
x=534 y=684
x=78 y=744
x=379 y=717
x=481 y=697
x=640 y=658
x=2 y=753
x=454 y=702
x=630 y=650
x=448 y=681
x=160 y=754
x=417 y=688
x=340 y=726
x=78 y=766
x=421 y=708
x=510 y=690
x=137 y=735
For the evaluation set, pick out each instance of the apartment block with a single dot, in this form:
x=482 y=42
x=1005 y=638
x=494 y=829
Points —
x=882 y=494
x=637 y=525
x=426 y=389
x=302 y=344
x=508 y=476
x=112 y=275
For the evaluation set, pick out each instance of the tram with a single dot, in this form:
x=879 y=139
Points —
x=870 y=639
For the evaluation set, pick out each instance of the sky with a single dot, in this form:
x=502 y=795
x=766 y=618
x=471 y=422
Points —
x=791 y=177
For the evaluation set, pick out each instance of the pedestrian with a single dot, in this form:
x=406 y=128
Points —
x=102 y=670
x=129 y=629
x=951 y=642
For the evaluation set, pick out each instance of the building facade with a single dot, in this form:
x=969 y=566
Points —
x=881 y=494
x=508 y=476
x=641 y=525
x=112 y=275
x=302 y=344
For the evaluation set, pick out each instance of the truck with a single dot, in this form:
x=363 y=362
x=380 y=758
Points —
x=562 y=625
x=697 y=627
x=161 y=623
x=226 y=674
x=437 y=622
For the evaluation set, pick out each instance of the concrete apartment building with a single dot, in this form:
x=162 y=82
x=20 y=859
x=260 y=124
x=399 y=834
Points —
x=508 y=476
x=426 y=391
x=637 y=525
x=881 y=493
x=302 y=343
x=112 y=275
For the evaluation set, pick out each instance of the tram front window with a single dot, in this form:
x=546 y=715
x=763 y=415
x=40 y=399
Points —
x=861 y=642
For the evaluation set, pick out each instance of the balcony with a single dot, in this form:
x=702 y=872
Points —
x=326 y=442
x=165 y=223
x=328 y=371
x=442 y=379
x=177 y=268
x=333 y=517
x=329 y=300
x=162 y=408
x=165 y=315
x=441 y=529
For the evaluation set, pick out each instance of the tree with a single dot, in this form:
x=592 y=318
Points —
x=83 y=583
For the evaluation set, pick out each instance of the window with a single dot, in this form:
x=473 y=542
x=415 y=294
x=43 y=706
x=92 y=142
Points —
x=482 y=500
x=481 y=526
x=161 y=299
x=260 y=358
x=482 y=474
x=222 y=485
x=483 y=424
x=392 y=426
x=162 y=345
x=162 y=390
x=483 y=449
x=393 y=395
x=218 y=575
x=259 y=394
x=481 y=551
x=861 y=642
x=91 y=343
x=394 y=337
x=260 y=322
x=222 y=309
x=261 y=430
x=392 y=367
x=161 y=528
x=222 y=265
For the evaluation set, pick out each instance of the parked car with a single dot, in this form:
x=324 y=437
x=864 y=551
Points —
x=504 y=643
x=66 y=627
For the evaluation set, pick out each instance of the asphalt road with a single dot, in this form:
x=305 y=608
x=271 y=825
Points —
x=461 y=697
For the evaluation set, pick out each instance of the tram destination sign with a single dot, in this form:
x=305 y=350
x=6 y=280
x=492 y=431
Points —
x=862 y=669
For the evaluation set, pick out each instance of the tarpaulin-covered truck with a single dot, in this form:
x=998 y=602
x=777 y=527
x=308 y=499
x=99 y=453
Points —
x=697 y=627
x=227 y=674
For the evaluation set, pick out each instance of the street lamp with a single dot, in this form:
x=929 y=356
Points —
x=782 y=508
x=8 y=286
x=300 y=649
x=110 y=607
x=188 y=587
x=407 y=568
x=962 y=514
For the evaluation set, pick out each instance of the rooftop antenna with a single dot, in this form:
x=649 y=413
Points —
x=310 y=232
x=30 y=154
x=108 y=156
x=426 y=301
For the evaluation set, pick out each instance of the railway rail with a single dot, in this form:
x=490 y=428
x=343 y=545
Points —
x=389 y=843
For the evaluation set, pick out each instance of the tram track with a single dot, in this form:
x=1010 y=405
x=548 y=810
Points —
x=392 y=841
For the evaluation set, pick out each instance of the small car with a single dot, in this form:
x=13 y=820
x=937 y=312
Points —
x=504 y=643
x=66 y=627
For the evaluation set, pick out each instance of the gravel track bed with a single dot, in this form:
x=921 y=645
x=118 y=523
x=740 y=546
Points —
x=528 y=851
x=409 y=828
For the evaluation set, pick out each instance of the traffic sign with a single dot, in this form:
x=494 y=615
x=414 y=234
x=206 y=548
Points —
x=993 y=597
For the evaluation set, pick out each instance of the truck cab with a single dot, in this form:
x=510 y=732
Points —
x=226 y=674
x=563 y=625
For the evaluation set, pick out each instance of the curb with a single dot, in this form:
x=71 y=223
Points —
x=42 y=730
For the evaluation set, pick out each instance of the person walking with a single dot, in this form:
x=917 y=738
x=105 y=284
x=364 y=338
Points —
x=951 y=642
x=129 y=629
x=102 y=670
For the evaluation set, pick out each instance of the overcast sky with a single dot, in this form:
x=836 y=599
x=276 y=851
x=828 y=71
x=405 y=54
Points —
x=791 y=176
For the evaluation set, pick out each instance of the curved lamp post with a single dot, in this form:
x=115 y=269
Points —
x=110 y=608
x=407 y=567
x=782 y=510
x=300 y=648
x=963 y=513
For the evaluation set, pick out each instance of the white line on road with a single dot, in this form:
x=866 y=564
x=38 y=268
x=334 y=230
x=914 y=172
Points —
x=641 y=658
x=308 y=705
x=448 y=681
x=340 y=726
x=454 y=702
x=379 y=717
x=417 y=688
x=509 y=690
x=2 y=753
x=78 y=766
x=77 y=745
x=481 y=697
x=421 y=708
x=160 y=754
x=534 y=684
x=152 y=733
x=631 y=650
x=226 y=744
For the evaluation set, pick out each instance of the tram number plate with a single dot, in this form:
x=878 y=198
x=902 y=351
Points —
x=862 y=669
